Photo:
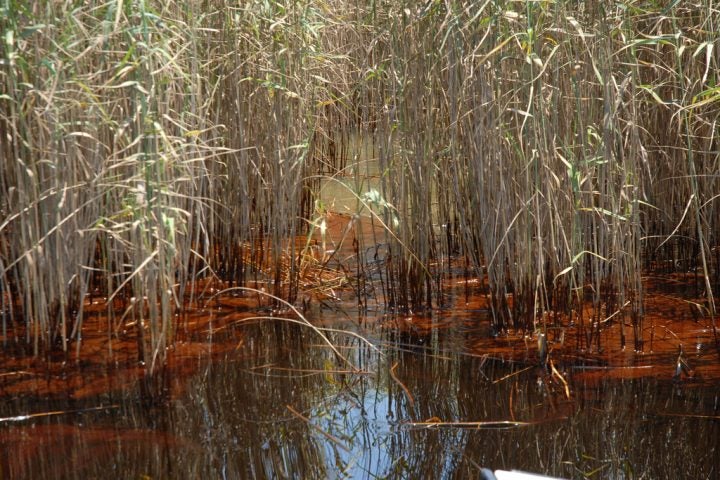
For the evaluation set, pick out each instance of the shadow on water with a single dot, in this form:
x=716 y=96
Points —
x=280 y=404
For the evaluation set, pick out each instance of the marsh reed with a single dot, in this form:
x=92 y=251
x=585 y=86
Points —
x=563 y=149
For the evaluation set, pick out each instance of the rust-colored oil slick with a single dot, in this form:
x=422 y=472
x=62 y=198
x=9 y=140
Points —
x=106 y=360
x=442 y=370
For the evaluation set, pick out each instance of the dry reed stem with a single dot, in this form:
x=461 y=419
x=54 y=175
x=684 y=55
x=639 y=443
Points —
x=561 y=148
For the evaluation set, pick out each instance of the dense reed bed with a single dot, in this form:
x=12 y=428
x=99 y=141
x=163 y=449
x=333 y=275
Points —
x=562 y=148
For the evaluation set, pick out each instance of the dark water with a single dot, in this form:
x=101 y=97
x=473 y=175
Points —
x=283 y=405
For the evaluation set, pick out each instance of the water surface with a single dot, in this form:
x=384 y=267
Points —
x=428 y=397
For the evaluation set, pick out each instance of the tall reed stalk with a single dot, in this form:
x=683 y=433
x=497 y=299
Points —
x=562 y=148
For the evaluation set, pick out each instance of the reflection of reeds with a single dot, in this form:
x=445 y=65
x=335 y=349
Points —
x=561 y=148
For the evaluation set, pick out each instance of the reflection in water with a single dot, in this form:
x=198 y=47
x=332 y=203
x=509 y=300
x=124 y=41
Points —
x=284 y=406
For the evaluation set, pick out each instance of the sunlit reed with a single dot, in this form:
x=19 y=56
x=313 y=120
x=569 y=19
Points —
x=561 y=148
